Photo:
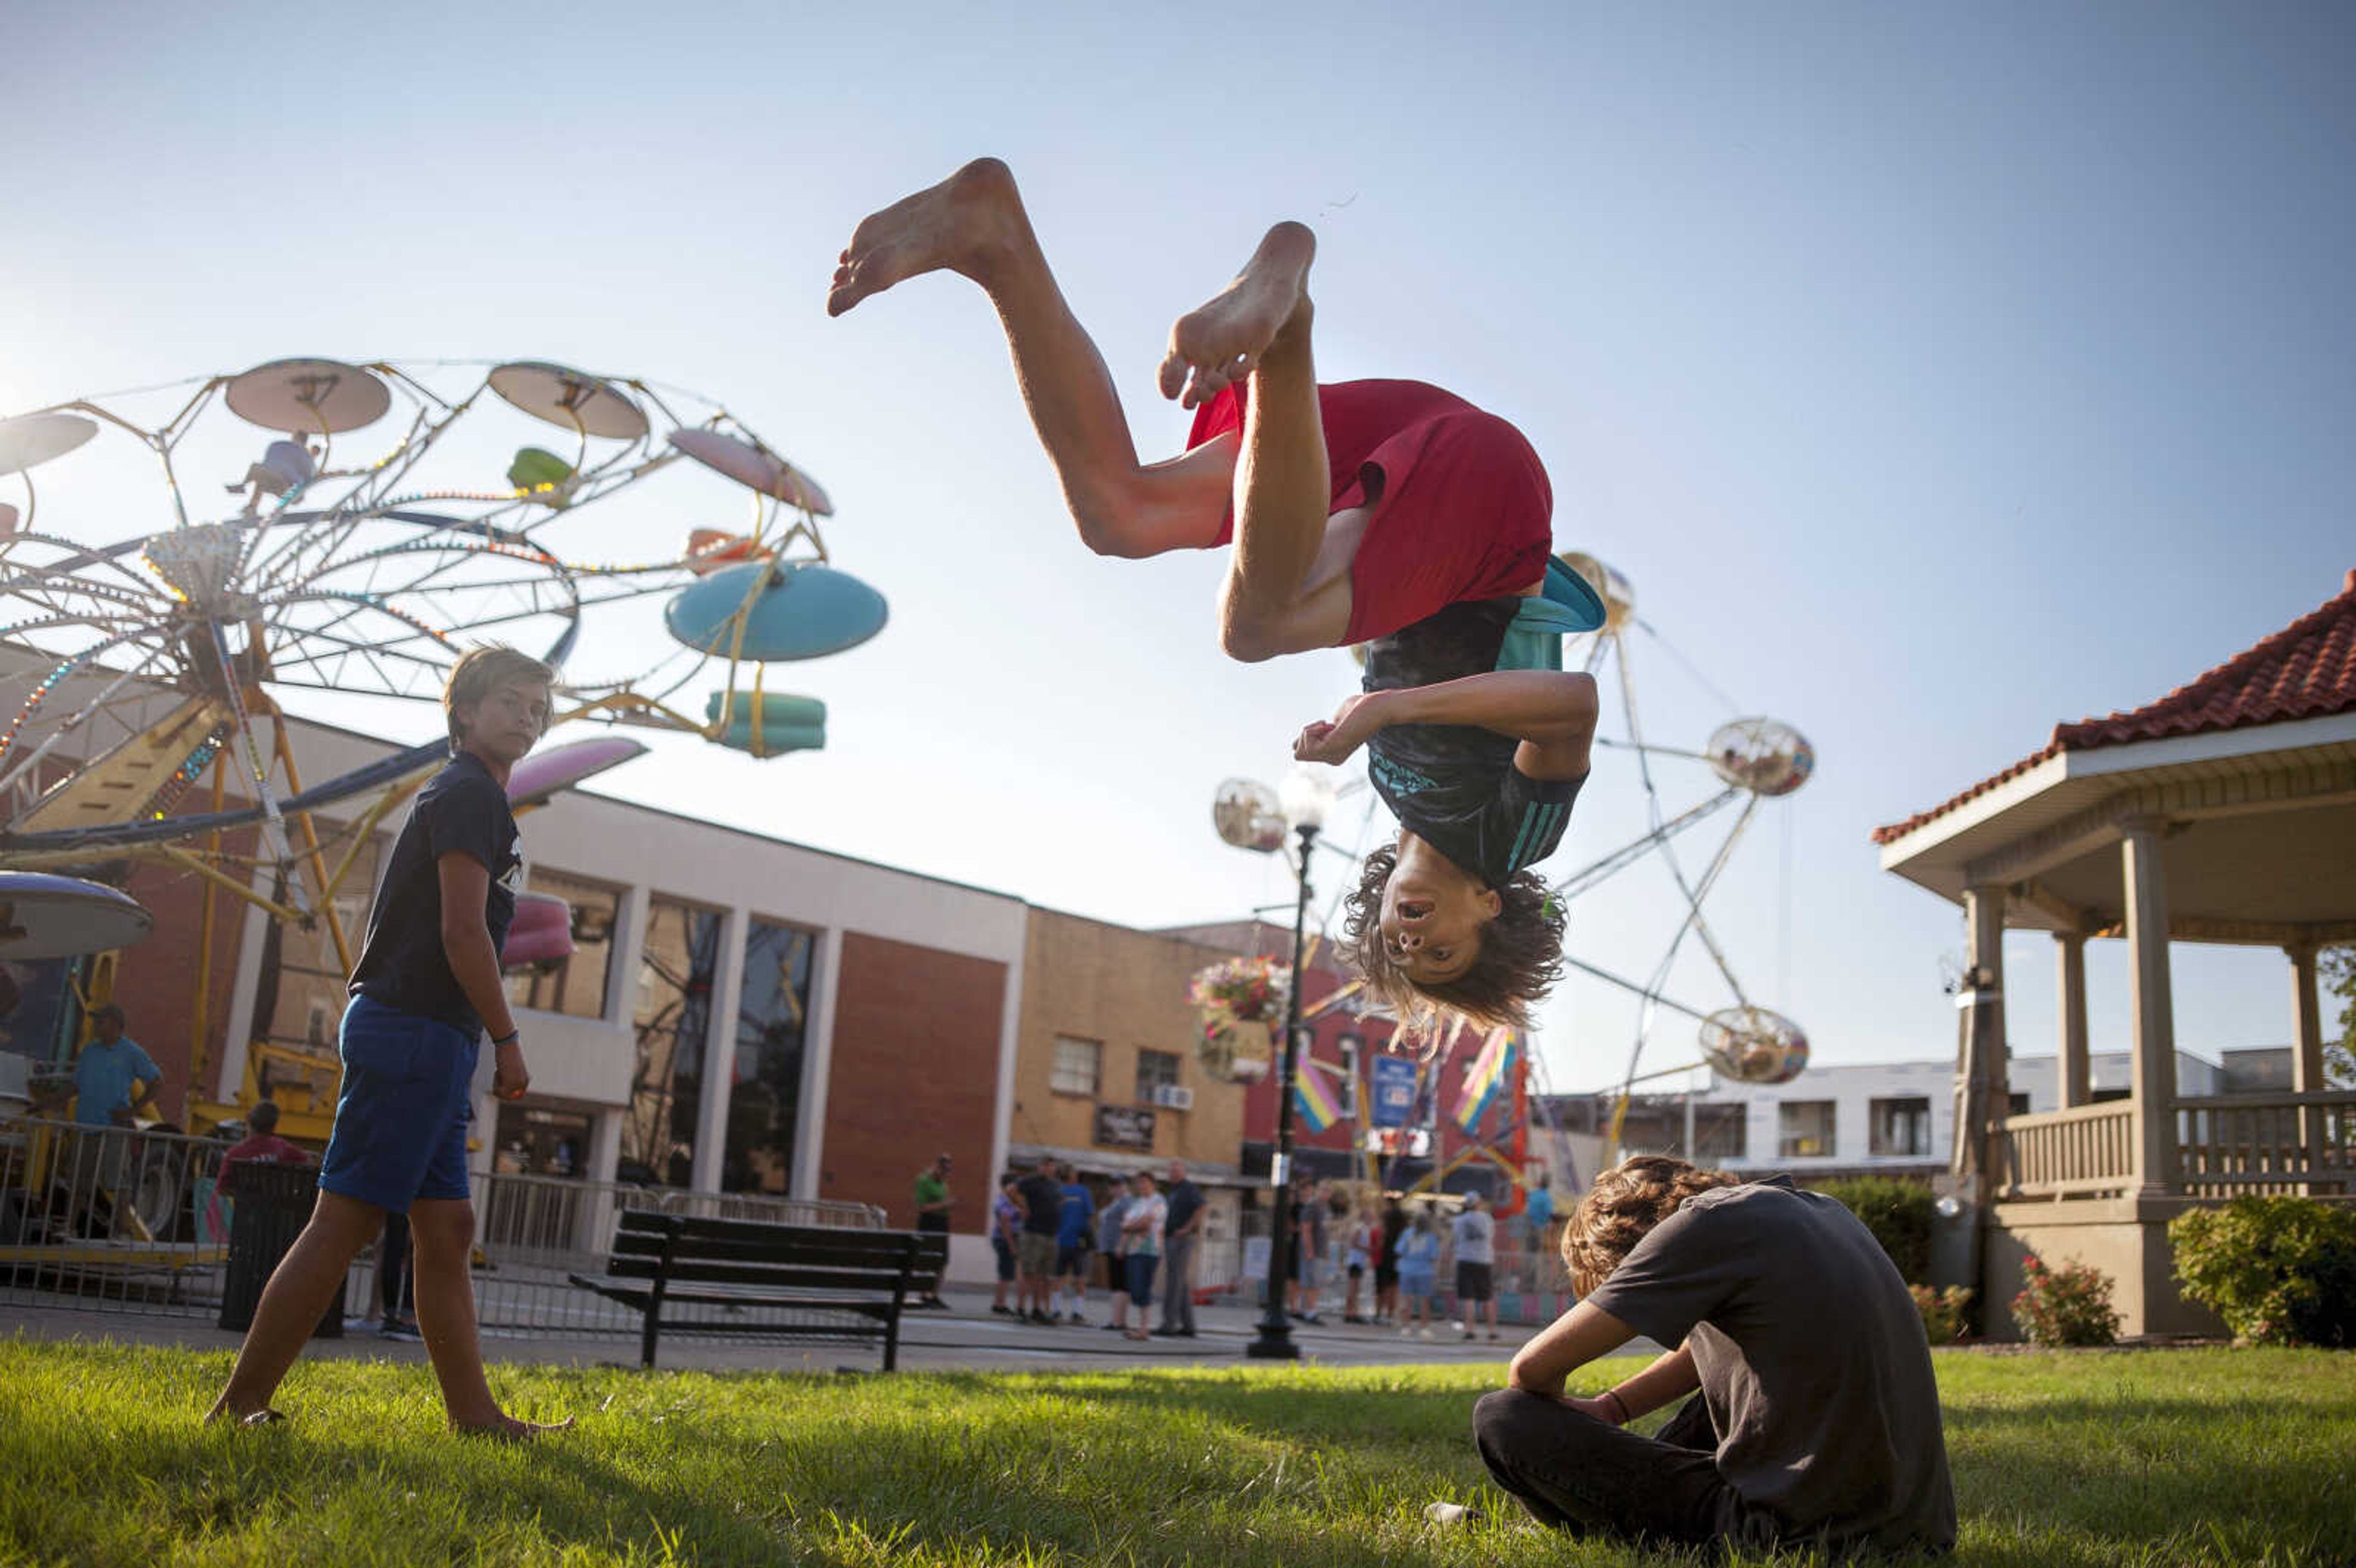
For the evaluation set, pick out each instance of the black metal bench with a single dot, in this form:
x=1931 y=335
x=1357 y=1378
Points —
x=841 y=1283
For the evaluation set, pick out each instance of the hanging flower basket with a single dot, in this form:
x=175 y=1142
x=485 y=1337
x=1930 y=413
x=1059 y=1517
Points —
x=1240 y=1003
x=1245 y=989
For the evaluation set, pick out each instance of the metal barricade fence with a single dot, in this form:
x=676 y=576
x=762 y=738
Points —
x=118 y=1220
x=110 y=1219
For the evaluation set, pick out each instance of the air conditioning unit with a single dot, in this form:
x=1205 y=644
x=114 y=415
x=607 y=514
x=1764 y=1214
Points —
x=1173 y=1096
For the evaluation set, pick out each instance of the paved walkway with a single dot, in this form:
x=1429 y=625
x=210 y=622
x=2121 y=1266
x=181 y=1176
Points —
x=967 y=1338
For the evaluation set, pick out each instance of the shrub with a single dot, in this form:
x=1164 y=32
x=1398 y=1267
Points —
x=2065 y=1305
x=2279 y=1271
x=1898 y=1215
x=1944 y=1312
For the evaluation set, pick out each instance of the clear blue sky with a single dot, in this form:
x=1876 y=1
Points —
x=1935 y=373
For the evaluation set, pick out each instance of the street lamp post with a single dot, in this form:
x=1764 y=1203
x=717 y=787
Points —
x=1274 y=1341
x=1305 y=798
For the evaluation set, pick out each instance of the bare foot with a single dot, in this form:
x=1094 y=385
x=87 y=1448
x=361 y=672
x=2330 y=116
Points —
x=507 y=1429
x=220 y=1415
x=1218 y=343
x=958 y=224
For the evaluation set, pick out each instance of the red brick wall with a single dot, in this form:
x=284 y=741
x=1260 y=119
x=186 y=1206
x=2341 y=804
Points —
x=914 y=1073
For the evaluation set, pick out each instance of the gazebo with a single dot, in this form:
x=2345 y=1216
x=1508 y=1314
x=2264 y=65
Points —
x=2226 y=812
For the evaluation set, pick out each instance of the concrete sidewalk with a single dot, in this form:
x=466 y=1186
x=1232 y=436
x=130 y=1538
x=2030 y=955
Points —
x=967 y=1338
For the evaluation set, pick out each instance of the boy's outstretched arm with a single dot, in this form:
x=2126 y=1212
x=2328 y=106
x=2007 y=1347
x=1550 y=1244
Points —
x=1551 y=712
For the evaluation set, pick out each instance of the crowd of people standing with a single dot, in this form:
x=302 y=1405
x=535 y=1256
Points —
x=1381 y=1260
x=1052 y=1237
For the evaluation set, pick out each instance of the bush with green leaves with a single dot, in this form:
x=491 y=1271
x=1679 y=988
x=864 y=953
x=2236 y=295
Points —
x=1945 y=1313
x=2279 y=1271
x=2066 y=1306
x=1898 y=1215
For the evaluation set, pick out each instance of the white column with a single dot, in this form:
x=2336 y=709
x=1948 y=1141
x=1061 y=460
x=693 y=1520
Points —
x=2153 y=1012
x=254 y=934
x=720 y=1053
x=1982 y=1095
x=818 y=1066
x=2076 y=1082
x=596 y=1232
x=1010 y=1037
x=624 y=956
x=2307 y=1055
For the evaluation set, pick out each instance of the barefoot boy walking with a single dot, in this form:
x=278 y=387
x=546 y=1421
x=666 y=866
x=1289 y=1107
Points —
x=426 y=986
x=1387 y=513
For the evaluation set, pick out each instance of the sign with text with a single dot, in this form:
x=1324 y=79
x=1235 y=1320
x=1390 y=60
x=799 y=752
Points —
x=1391 y=1081
x=1125 y=1126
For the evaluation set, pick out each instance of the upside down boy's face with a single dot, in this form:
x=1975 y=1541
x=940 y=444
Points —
x=1432 y=919
x=508 y=722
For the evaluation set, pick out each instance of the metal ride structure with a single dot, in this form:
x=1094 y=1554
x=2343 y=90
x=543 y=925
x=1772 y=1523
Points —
x=391 y=521
x=1753 y=760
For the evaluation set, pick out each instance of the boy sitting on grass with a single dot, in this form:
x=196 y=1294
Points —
x=427 y=983
x=1817 y=1420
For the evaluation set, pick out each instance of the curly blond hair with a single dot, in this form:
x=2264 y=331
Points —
x=1621 y=1208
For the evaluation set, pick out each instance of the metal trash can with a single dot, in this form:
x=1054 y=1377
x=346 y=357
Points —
x=270 y=1204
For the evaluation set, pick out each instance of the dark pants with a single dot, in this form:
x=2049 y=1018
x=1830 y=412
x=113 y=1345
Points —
x=1588 y=1477
x=395 y=1286
x=932 y=1222
x=1178 y=1296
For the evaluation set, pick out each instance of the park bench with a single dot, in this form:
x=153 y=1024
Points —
x=838 y=1283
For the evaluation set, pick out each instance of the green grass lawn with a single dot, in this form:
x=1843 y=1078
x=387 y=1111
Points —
x=2147 y=1457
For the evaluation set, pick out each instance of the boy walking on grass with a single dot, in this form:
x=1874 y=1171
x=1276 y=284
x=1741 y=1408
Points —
x=1817 y=1419
x=426 y=986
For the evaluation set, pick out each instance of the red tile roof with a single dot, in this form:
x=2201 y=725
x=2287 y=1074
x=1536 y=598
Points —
x=2304 y=671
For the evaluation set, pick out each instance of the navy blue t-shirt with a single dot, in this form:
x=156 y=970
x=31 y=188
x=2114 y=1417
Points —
x=1455 y=785
x=1185 y=1198
x=401 y=965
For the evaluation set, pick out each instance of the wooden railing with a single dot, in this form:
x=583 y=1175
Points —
x=2230 y=1143
x=2226 y=1144
x=2087 y=1151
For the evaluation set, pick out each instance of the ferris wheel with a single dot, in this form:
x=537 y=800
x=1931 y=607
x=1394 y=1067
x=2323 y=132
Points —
x=1747 y=763
x=389 y=522
x=1751 y=761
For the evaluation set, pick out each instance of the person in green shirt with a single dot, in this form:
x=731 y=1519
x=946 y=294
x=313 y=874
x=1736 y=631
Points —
x=933 y=1212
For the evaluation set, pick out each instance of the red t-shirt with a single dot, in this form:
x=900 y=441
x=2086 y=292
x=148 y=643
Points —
x=259 y=1149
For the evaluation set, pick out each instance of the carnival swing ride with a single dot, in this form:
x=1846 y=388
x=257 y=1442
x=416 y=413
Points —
x=1503 y=1084
x=395 y=515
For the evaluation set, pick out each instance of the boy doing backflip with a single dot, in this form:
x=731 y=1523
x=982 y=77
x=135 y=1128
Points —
x=426 y=986
x=1386 y=513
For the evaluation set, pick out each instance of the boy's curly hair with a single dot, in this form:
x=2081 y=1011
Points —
x=1621 y=1208
x=1520 y=957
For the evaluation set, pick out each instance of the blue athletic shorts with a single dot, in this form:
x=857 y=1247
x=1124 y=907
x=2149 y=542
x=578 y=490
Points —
x=401 y=1121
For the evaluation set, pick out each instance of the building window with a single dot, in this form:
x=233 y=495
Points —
x=1807 y=1128
x=574 y=985
x=1154 y=1069
x=1079 y=1066
x=671 y=1018
x=1901 y=1127
x=1721 y=1132
x=2016 y=1103
x=765 y=1094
